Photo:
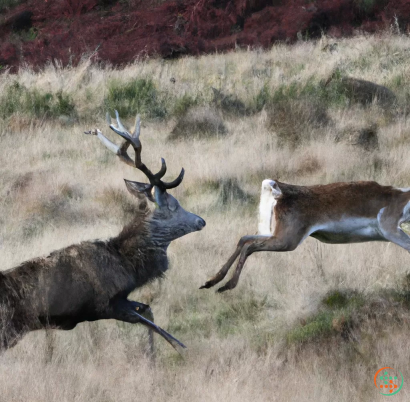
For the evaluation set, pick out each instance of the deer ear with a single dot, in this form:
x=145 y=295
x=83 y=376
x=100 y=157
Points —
x=137 y=189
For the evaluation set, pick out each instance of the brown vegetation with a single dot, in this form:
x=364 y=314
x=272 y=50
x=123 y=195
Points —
x=198 y=122
x=119 y=32
x=249 y=344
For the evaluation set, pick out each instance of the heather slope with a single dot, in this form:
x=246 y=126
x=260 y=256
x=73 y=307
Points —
x=314 y=324
x=36 y=32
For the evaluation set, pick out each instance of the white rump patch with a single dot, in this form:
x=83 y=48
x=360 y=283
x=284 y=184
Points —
x=404 y=223
x=269 y=193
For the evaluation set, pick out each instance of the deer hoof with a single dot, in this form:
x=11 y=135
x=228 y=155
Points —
x=223 y=288
x=207 y=285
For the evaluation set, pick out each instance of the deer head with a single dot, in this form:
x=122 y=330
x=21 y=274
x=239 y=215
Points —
x=169 y=220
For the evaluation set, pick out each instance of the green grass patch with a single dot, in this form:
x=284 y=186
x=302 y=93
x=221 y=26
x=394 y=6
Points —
x=182 y=104
x=7 y=4
x=18 y=99
x=28 y=35
x=334 y=316
x=319 y=92
x=135 y=96
x=232 y=316
x=368 y=6
x=226 y=317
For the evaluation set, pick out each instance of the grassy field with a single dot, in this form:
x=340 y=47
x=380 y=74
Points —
x=311 y=325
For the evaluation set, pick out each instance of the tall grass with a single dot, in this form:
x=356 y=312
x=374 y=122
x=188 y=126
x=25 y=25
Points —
x=279 y=335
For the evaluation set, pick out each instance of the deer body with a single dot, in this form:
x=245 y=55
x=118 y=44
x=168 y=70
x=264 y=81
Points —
x=335 y=213
x=81 y=282
x=91 y=281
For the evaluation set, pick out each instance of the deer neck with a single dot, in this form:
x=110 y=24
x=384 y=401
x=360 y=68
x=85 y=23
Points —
x=162 y=232
x=144 y=254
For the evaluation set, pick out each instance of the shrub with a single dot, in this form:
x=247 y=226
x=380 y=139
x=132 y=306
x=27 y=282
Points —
x=358 y=91
x=229 y=104
x=291 y=119
x=7 y=4
x=11 y=102
x=136 y=96
x=369 y=6
x=198 y=122
x=181 y=105
x=39 y=103
x=262 y=98
x=335 y=316
x=229 y=191
x=364 y=137
x=36 y=103
x=17 y=98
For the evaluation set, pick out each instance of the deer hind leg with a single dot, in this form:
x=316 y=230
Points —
x=274 y=243
x=224 y=270
x=390 y=221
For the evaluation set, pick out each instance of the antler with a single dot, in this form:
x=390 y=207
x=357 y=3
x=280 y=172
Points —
x=133 y=139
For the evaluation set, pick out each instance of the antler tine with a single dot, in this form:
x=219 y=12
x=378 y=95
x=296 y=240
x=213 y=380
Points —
x=174 y=183
x=133 y=139
x=121 y=131
x=120 y=125
x=162 y=171
x=120 y=151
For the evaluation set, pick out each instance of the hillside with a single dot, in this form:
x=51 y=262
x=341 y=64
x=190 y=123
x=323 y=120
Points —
x=35 y=32
x=314 y=324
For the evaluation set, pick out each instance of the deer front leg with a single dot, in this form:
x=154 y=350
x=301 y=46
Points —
x=284 y=243
x=130 y=311
x=224 y=270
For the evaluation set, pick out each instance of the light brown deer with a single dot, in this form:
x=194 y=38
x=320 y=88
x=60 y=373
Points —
x=334 y=213
x=92 y=280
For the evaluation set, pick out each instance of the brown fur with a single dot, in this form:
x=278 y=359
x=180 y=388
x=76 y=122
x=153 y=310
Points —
x=322 y=211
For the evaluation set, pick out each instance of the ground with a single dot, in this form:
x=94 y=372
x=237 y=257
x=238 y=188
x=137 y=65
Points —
x=313 y=324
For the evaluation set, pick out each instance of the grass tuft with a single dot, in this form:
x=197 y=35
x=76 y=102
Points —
x=135 y=96
x=198 y=122
x=293 y=120
x=19 y=99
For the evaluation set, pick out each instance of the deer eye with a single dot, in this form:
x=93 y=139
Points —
x=172 y=207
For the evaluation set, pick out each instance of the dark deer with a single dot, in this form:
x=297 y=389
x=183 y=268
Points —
x=91 y=281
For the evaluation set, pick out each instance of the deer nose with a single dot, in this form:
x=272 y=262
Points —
x=200 y=223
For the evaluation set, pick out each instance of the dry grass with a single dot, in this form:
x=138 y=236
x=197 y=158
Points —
x=198 y=122
x=66 y=187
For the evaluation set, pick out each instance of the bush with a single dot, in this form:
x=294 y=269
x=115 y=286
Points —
x=263 y=98
x=198 y=122
x=365 y=137
x=319 y=93
x=136 y=96
x=17 y=98
x=292 y=119
x=10 y=102
x=369 y=6
x=7 y=4
x=356 y=90
x=229 y=104
x=336 y=316
x=229 y=191
x=181 y=105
